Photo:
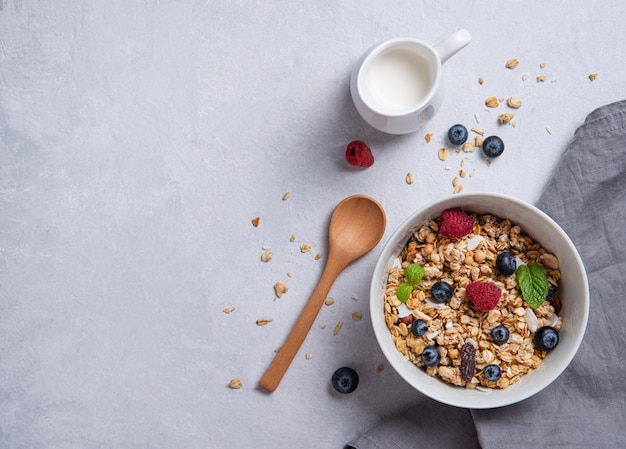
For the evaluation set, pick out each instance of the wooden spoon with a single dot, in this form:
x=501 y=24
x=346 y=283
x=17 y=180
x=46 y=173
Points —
x=356 y=226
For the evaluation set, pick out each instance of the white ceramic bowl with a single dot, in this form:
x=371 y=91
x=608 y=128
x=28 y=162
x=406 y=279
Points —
x=573 y=288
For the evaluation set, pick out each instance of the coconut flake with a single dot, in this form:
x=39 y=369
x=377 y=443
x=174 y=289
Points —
x=396 y=263
x=554 y=319
x=531 y=319
x=403 y=311
x=436 y=305
x=473 y=242
x=432 y=335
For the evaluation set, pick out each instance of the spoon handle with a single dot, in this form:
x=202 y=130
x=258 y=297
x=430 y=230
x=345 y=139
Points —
x=281 y=362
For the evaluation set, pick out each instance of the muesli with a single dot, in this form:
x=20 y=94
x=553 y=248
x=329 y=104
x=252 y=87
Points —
x=466 y=315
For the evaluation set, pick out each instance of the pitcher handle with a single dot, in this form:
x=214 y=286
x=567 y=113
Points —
x=450 y=46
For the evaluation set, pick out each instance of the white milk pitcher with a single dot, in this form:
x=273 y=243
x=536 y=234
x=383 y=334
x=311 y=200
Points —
x=396 y=85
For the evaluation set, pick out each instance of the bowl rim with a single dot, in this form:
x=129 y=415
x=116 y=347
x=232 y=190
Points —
x=432 y=386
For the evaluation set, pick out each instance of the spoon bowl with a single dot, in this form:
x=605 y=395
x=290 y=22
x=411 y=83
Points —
x=356 y=226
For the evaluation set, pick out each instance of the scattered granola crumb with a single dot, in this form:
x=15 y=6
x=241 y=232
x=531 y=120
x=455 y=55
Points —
x=277 y=350
x=337 y=327
x=478 y=130
x=455 y=182
x=492 y=102
x=542 y=65
x=480 y=80
x=462 y=173
x=322 y=326
x=477 y=118
x=462 y=163
x=356 y=316
x=235 y=384
x=443 y=154
x=505 y=118
x=263 y=322
x=458 y=189
x=280 y=288
x=409 y=178
x=488 y=163
x=380 y=368
x=592 y=76
x=256 y=221
x=289 y=274
x=469 y=147
x=266 y=256
x=428 y=137
x=355 y=297
x=308 y=356
x=286 y=196
x=514 y=102
x=305 y=248
x=329 y=301
x=525 y=76
x=478 y=141
x=512 y=63
x=549 y=130
x=292 y=238
x=228 y=310
x=541 y=78
x=318 y=256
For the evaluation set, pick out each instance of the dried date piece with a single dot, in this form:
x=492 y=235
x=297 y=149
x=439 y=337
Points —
x=468 y=361
x=554 y=299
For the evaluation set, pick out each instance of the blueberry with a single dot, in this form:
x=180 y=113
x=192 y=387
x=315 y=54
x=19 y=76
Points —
x=493 y=146
x=492 y=372
x=441 y=292
x=345 y=380
x=505 y=263
x=419 y=327
x=431 y=356
x=546 y=338
x=500 y=334
x=457 y=134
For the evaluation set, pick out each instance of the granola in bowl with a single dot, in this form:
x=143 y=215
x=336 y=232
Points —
x=459 y=328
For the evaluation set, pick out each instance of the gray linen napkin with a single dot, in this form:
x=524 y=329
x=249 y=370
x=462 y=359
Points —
x=586 y=405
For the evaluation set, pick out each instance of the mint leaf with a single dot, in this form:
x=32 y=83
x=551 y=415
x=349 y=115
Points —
x=533 y=282
x=403 y=292
x=414 y=273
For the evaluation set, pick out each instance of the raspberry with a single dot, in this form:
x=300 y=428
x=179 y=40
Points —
x=359 y=154
x=484 y=296
x=455 y=223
